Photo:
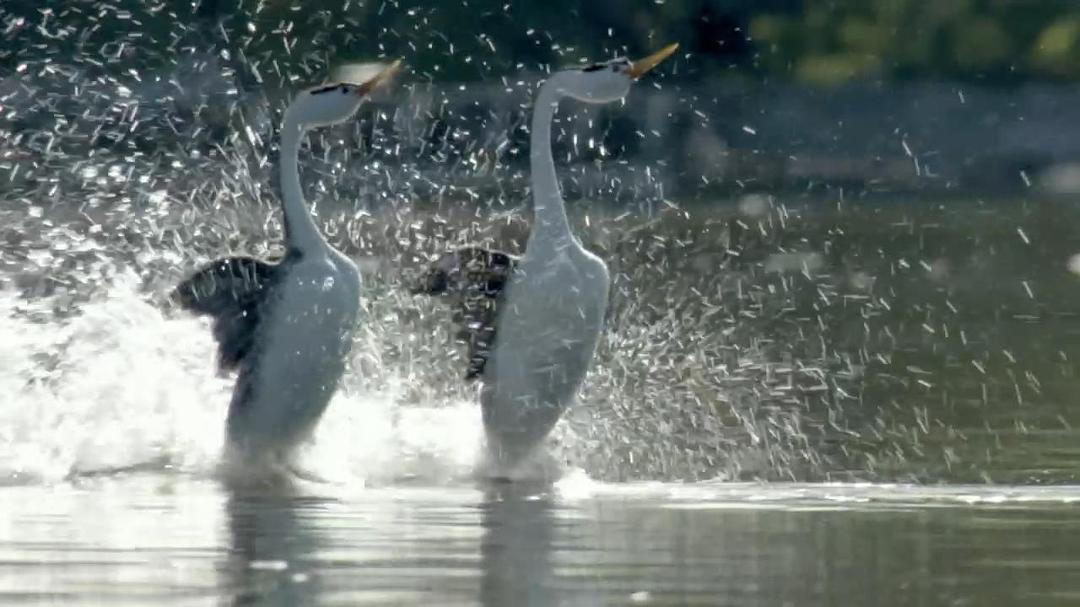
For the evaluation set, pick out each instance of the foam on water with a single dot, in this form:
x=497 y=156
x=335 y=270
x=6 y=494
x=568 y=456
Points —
x=122 y=385
x=377 y=439
x=115 y=386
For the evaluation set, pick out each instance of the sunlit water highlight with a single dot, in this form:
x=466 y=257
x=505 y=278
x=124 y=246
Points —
x=122 y=386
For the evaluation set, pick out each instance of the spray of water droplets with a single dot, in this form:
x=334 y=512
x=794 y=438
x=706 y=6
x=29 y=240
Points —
x=749 y=335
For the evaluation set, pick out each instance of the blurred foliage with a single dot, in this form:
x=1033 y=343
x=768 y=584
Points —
x=825 y=42
x=992 y=41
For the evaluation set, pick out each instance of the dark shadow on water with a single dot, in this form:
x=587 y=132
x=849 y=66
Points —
x=272 y=540
x=521 y=525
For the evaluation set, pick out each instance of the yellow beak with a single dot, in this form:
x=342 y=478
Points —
x=639 y=67
x=379 y=79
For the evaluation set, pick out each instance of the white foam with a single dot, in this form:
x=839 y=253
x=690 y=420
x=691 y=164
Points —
x=378 y=439
x=120 y=385
x=116 y=386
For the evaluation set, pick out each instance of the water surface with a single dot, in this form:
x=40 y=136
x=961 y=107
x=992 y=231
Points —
x=174 y=540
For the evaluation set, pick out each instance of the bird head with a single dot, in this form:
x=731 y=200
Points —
x=338 y=101
x=608 y=81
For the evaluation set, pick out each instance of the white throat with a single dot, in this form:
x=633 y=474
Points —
x=301 y=233
x=550 y=224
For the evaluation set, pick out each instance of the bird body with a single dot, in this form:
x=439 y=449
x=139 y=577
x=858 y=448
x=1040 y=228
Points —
x=548 y=329
x=548 y=317
x=285 y=328
x=299 y=359
x=551 y=314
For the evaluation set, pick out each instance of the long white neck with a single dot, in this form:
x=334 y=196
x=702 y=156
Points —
x=301 y=233
x=550 y=225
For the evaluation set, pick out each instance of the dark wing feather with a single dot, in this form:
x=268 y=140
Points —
x=232 y=291
x=474 y=278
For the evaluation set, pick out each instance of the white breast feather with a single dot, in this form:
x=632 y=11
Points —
x=308 y=332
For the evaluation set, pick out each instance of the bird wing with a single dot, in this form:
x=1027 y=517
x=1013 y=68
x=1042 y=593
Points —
x=474 y=278
x=232 y=291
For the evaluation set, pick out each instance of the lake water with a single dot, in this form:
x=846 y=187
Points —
x=167 y=540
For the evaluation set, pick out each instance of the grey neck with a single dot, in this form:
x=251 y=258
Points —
x=301 y=233
x=550 y=224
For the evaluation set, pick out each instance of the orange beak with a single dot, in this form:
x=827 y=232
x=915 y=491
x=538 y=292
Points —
x=379 y=79
x=639 y=67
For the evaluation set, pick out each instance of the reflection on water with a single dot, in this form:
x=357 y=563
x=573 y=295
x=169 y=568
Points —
x=271 y=543
x=516 y=548
x=154 y=540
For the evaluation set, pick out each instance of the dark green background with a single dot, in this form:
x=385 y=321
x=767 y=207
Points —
x=999 y=42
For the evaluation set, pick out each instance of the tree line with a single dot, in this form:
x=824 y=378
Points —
x=820 y=42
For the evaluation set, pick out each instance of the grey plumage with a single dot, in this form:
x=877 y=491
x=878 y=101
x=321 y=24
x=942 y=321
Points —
x=474 y=279
x=234 y=292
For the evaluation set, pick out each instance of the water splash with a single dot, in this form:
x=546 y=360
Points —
x=117 y=386
x=759 y=337
x=122 y=386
